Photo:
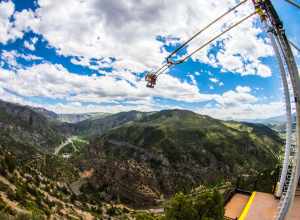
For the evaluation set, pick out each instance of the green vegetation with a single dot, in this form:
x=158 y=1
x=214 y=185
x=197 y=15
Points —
x=206 y=205
x=172 y=151
x=147 y=216
x=76 y=145
x=131 y=158
x=21 y=124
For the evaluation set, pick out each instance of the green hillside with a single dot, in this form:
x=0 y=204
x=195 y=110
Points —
x=132 y=159
x=23 y=125
x=175 y=150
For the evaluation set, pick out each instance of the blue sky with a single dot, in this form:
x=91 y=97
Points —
x=89 y=56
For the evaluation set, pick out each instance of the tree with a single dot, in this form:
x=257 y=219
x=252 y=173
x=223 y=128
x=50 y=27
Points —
x=205 y=205
x=209 y=205
x=180 y=207
x=10 y=162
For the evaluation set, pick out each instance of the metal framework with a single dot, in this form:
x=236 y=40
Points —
x=288 y=68
x=278 y=33
x=280 y=186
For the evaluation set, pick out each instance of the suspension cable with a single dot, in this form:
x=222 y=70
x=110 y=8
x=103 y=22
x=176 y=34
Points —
x=166 y=65
x=207 y=43
x=170 y=63
x=294 y=45
x=206 y=27
x=219 y=35
x=294 y=3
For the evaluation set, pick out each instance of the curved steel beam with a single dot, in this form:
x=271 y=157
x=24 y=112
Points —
x=286 y=90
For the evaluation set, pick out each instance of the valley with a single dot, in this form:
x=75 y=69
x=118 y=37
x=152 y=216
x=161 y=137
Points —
x=72 y=143
x=114 y=166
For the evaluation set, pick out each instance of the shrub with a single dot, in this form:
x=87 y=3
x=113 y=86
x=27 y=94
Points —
x=21 y=194
x=206 y=205
x=23 y=216
x=180 y=207
x=145 y=216
x=113 y=211
x=4 y=216
x=11 y=163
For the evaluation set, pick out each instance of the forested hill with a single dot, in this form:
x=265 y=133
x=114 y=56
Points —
x=133 y=158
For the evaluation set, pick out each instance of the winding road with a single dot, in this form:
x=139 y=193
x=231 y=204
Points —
x=70 y=140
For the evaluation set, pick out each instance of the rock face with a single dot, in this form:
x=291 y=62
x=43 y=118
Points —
x=24 y=125
x=174 y=150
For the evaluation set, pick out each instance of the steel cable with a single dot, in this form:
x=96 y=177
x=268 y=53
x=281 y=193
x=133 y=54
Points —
x=169 y=64
x=294 y=45
x=207 y=43
x=206 y=27
x=294 y=3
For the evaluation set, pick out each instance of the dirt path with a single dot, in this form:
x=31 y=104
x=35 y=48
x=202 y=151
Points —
x=68 y=141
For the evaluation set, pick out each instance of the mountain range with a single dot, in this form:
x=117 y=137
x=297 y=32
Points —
x=134 y=158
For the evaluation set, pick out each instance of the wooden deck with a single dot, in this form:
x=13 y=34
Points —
x=263 y=207
x=295 y=212
x=235 y=206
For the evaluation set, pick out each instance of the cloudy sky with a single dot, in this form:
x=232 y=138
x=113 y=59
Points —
x=76 y=56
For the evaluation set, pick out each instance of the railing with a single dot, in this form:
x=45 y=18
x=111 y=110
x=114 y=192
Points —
x=285 y=200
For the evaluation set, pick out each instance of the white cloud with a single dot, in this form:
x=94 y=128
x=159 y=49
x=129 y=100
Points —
x=54 y=81
x=110 y=95
x=127 y=30
x=243 y=89
x=29 y=45
x=193 y=79
x=241 y=95
x=245 y=111
x=14 y=24
x=10 y=57
x=6 y=29
x=214 y=80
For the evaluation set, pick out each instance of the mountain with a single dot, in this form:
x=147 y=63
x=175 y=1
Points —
x=97 y=126
x=34 y=183
x=70 y=118
x=278 y=120
x=134 y=158
x=173 y=150
x=75 y=118
x=50 y=115
x=21 y=124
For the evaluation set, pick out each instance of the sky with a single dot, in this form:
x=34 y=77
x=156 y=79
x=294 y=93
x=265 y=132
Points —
x=77 y=56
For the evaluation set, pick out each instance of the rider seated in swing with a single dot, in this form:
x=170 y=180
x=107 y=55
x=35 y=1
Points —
x=151 y=80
